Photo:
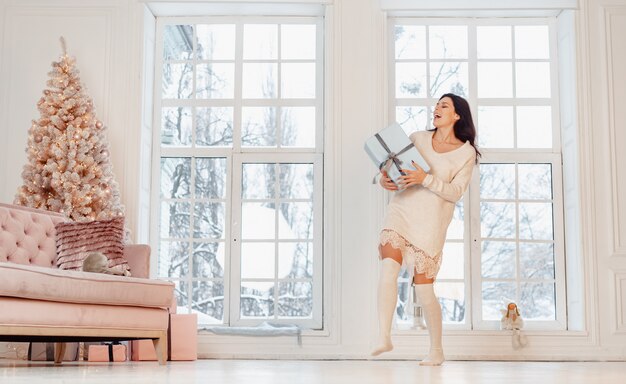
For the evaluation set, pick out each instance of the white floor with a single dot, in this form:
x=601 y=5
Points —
x=309 y=372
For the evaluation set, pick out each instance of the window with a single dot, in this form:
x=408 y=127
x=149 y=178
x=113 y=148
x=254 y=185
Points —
x=505 y=242
x=238 y=163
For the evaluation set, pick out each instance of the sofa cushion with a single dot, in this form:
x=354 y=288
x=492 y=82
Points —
x=27 y=235
x=40 y=283
x=75 y=240
x=47 y=314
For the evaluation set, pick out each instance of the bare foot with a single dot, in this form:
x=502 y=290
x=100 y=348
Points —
x=435 y=357
x=382 y=346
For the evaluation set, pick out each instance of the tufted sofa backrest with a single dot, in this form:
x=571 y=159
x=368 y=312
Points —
x=27 y=235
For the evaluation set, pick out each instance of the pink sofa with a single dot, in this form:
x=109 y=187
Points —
x=39 y=302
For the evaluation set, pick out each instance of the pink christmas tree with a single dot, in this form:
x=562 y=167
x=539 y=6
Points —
x=68 y=168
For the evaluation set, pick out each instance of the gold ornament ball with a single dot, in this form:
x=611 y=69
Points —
x=99 y=124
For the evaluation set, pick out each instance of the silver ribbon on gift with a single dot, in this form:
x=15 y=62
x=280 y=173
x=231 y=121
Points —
x=392 y=157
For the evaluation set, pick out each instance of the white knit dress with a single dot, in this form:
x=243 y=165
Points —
x=418 y=217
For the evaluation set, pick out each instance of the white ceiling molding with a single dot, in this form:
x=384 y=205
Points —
x=477 y=5
x=234 y=8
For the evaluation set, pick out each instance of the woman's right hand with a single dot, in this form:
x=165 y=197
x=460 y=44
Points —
x=386 y=182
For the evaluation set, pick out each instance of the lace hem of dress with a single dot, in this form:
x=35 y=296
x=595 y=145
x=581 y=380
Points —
x=414 y=259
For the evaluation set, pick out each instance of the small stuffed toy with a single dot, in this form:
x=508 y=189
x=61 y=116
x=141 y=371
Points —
x=99 y=263
x=512 y=321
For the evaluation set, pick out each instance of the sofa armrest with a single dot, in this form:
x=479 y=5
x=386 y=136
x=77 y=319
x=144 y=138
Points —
x=138 y=257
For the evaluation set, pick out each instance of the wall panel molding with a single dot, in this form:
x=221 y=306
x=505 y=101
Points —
x=615 y=29
x=619 y=286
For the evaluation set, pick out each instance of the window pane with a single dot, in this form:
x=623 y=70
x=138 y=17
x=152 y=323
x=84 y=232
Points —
x=456 y=229
x=181 y=293
x=535 y=222
x=297 y=222
x=176 y=126
x=260 y=41
x=498 y=259
x=297 y=41
x=258 y=126
x=210 y=177
x=495 y=80
x=453 y=261
x=495 y=296
x=298 y=127
x=257 y=260
x=497 y=220
x=208 y=260
x=532 y=42
x=296 y=181
x=452 y=299
x=297 y=80
x=175 y=177
x=208 y=301
x=535 y=181
x=173 y=259
x=214 y=126
x=538 y=301
x=412 y=118
x=295 y=260
x=177 y=81
x=497 y=181
x=259 y=80
x=174 y=221
x=536 y=260
x=495 y=127
x=534 y=127
x=410 y=80
x=448 y=42
x=177 y=42
x=295 y=299
x=208 y=220
x=494 y=42
x=258 y=221
x=215 y=81
x=258 y=181
x=216 y=41
x=257 y=299
x=410 y=41
x=448 y=77
x=532 y=80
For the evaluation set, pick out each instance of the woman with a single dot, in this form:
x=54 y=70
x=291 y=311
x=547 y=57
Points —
x=418 y=216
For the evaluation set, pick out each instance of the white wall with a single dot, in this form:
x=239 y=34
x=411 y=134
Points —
x=106 y=36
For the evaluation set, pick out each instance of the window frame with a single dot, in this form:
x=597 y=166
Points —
x=471 y=199
x=236 y=154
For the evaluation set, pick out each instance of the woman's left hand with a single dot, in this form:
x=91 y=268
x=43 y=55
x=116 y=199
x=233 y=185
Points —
x=412 y=176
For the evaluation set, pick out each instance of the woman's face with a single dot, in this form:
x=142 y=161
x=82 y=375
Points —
x=444 y=113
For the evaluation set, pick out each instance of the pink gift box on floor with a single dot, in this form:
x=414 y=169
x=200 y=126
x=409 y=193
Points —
x=106 y=352
x=183 y=337
x=142 y=350
x=182 y=341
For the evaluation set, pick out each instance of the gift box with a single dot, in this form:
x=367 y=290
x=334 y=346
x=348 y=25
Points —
x=45 y=352
x=107 y=352
x=392 y=150
x=182 y=343
x=183 y=337
x=142 y=350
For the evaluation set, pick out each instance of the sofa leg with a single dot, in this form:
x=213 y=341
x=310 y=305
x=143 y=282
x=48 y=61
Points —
x=160 y=346
x=59 y=352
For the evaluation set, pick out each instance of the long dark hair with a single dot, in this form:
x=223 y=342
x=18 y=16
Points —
x=464 y=128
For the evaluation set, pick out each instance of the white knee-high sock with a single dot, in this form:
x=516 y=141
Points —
x=387 y=297
x=432 y=312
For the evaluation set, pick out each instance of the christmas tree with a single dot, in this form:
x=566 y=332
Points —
x=68 y=168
